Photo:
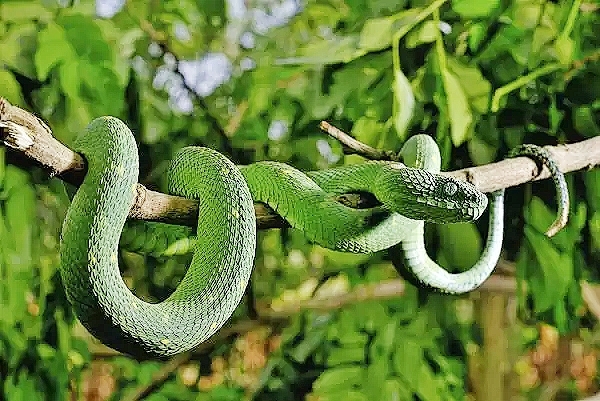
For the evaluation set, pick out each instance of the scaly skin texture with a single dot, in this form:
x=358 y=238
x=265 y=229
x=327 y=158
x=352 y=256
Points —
x=425 y=154
x=223 y=250
x=220 y=267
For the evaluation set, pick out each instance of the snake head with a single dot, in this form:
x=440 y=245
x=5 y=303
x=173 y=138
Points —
x=422 y=195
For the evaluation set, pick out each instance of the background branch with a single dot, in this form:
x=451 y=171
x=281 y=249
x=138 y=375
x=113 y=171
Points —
x=24 y=133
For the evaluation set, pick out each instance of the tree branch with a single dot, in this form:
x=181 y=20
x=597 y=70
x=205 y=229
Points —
x=353 y=146
x=24 y=133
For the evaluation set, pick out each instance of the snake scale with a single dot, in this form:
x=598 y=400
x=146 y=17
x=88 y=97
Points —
x=223 y=253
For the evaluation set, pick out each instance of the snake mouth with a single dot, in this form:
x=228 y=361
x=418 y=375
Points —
x=467 y=204
x=472 y=213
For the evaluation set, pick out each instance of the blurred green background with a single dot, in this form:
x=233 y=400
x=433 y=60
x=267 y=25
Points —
x=253 y=79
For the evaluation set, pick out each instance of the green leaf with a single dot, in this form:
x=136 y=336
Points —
x=69 y=78
x=340 y=379
x=20 y=215
x=17 y=48
x=371 y=315
x=23 y=390
x=481 y=151
x=477 y=34
x=353 y=338
x=584 y=120
x=349 y=396
x=552 y=280
x=10 y=88
x=460 y=245
x=426 y=386
x=25 y=11
x=564 y=47
x=223 y=393
x=594 y=227
x=347 y=354
x=383 y=344
x=341 y=49
x=476 y=88
x=461 y=118
x=103 y=87
x=410 y=365
x=408 y=359
x=395 y=390
x=377 y=33
x=86 y=39
x=592 y=189
x=2 y=168
x=555 y=115
x=377 y=372
x=53 y=48
x=404 y=104
x=474 y=8
x=369 y=131
x=308 y=345
x=425 y=33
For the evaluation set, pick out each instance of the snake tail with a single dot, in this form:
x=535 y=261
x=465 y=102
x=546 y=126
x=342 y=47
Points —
x=430 y=274
x=543 y=158
x=223 y=253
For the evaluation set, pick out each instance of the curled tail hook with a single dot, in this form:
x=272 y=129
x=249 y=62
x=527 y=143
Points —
x=429 y=274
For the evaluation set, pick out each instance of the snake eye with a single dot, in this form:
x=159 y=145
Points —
x=450 y=188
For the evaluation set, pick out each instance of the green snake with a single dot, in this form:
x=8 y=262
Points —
x=223 y=253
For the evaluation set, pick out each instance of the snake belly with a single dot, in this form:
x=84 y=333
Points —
x=221 y=264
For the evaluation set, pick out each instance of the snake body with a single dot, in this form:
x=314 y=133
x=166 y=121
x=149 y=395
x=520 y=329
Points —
x=226 y=233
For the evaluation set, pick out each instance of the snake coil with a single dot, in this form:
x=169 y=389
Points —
x=223 y=252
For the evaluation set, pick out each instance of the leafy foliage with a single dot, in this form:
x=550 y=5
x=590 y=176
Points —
x=479 y=76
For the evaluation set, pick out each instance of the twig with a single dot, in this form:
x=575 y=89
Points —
x=352 y=146
x=522 y=81
x=24 y=133
x=378 y=291
x=382 y=290
x=158 y=378
x=579 y=65
x=583 y=155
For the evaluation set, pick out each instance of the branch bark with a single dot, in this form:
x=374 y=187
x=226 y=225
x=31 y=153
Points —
x=23 y=132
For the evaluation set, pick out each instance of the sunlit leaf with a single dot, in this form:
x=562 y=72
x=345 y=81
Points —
x=460 y=245
x=404 y=104
x=475 y=86
x=377 y=33
x=53 y=48
x=474 y=8
x=339 y=379
x=461 y=117
x=10 y=88
x=564 y=49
